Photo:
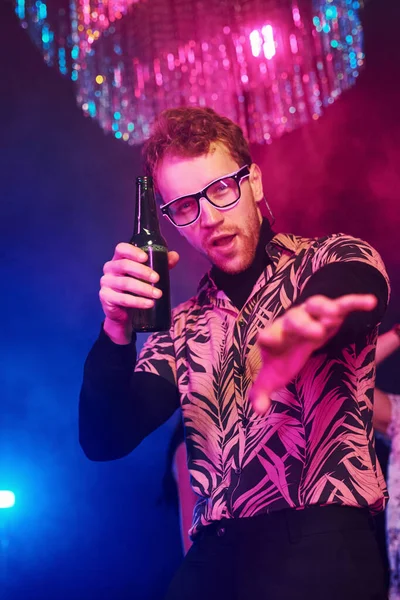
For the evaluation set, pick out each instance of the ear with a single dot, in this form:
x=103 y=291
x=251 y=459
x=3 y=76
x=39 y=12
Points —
x=255 y=181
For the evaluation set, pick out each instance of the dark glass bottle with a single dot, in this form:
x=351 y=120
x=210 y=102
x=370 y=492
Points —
x=147 y=236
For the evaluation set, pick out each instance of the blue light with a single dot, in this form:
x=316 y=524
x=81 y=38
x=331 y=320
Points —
x=42 y=11
x=114 y=126
x=131 y=126
x=45 y=34
x=74 y=75
x=356 y=5
x=92 y=108
x=118 y=135
x=75 y=52
x=20 y=10
x=117 y=115
x=334 y=43
x=349 y=39
x=331 y=12
x=7 y=499
x=326 y=28
x=316 y=21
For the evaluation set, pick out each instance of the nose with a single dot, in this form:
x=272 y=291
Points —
x=210 y=216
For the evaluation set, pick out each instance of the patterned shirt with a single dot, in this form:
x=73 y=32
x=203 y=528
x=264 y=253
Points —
x=315 y=445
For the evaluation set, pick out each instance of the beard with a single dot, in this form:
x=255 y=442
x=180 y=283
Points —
x=239 y=255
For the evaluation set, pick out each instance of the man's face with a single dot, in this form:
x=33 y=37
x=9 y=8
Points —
x=227 y=238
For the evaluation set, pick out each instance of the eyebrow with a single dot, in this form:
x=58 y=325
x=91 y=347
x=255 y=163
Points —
x=205 y=187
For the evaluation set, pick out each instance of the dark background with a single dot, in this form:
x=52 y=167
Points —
x=85 y=530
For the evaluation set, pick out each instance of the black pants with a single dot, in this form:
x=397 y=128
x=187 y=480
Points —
x=319 y=553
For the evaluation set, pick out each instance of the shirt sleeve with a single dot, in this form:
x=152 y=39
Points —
x=345 y=265
x=118 y=406
x=158 y=357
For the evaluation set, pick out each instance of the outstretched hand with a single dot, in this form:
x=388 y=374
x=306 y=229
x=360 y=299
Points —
x=289 y=341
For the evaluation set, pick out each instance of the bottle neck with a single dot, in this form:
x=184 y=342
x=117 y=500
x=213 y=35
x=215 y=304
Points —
x=146 y=220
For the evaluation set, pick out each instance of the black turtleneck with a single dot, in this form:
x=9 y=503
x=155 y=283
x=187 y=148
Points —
x=238 y=286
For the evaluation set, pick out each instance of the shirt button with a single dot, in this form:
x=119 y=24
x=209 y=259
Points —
x=245 y=422
x=242 y=323
x=238 y=471
x=241 y=371
x=220 y=531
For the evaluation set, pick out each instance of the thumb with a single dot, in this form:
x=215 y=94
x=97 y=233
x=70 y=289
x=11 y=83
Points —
x=173 y=259
x=259 y=398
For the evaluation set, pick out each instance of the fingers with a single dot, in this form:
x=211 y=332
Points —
x=299 y=322
x=295 y=324
x=321 y=306
x=121 y=267
x=112 y=298
x=129 y=260
x=364 y=302
x=129 y=285
x=125 y=250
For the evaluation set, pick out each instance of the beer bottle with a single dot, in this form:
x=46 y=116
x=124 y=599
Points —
x=147 y=236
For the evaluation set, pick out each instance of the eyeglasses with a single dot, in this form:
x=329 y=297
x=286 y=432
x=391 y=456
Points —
x=222 y=193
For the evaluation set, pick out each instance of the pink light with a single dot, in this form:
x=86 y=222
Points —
x=255 y=42
x=269 y=42
x=293 y=44
x=117 y=77
x=171 y=62
x=296 y=15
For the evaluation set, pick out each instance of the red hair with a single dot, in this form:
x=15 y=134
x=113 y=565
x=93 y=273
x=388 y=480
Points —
x=189 y=132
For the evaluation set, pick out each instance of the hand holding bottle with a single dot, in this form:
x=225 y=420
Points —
x=128 y=284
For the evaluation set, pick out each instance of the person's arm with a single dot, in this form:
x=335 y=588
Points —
x=288 y=343
x=118 y=407
x=387 y=343
x=342 y=278
x=382 y=411
x=345 y=298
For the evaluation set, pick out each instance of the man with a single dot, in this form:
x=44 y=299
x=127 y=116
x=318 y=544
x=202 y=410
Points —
x=272 y=363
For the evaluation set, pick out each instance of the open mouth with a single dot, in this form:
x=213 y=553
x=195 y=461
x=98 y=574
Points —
x=223 y=241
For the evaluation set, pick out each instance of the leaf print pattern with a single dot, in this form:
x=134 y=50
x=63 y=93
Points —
x=315 y=445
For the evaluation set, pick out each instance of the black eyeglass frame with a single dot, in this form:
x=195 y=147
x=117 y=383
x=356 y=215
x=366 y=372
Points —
x=238 y=176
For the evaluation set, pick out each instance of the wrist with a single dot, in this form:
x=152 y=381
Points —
x=118 y=333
